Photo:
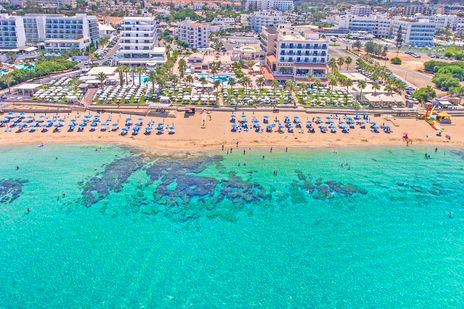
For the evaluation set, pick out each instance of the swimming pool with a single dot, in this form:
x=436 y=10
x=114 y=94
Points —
x=3 y=71
x=22 y=66
x=223 y=78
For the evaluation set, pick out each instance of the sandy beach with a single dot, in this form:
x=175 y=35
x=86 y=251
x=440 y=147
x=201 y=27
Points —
x=191 y=136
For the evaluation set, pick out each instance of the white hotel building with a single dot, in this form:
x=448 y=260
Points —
x=415 y=32
x=56 y=33
x=264 y=5
x=297 y=54
x=139 y=43
x=258 y=20
x=195 y=34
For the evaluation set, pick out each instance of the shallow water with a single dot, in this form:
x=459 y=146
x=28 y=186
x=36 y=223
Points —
x=346 y=228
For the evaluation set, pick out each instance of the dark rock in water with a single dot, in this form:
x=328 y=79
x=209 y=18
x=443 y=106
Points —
x=111 y=179
x=300 y=175
x=183 y=194
x=459 y=153
x=10 y=189
x=416 y=188
x=322 y=192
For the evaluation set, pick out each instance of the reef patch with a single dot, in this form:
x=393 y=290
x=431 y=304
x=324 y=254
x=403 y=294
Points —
x=320 y=189
x=183 y=193
x=110 y=179
x=10 y=189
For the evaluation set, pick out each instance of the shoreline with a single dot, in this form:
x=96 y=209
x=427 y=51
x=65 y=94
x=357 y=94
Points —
x=205 y=133
x=205 y=149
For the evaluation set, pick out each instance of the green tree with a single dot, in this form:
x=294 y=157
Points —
x=458 y=91
x=333 y=64
x=340 y=62
x=348 y=61
x=375 y=86
x=101 y=78
x=424 y=94
x=7 y=80
x=120 y=70
x=362 y=84
x=182 y=65
x=260 y=82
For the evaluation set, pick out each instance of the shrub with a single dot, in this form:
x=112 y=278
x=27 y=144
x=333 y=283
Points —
x=395 y=60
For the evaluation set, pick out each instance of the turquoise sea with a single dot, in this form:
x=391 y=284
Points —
x=310 y=228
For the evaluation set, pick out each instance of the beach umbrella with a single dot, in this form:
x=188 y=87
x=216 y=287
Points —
x=125 y=129
x=141 y=119
x=255 y=120
x=281 y=126
x=114 y=124
x=93 y=124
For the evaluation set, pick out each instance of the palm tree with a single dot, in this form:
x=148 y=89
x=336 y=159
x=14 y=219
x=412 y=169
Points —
x=133 y=71
x=317 y=83
x=375 y=86
x=189 y=80
x=182 y=65
x=217 y=83
x=333 y=81
x=245 y=82
x=101 y=77
x=389 y=88
x=275 y=84
x=8 y=80
x=362 y=84
x=250 y=64
x=232 y=82
x=333 y=64
x=348 y=84
x=203 y=82
x=260 y=82
x=140 y=70
x=458 y=91
x=152 y=78
x=348 y=61
x=340 y=61
x=290 y=86
x=126 y=69
x=120 y=69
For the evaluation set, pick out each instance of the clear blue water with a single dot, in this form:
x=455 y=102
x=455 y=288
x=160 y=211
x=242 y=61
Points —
x=224 y=78
x=345 y=228
x=22 y=66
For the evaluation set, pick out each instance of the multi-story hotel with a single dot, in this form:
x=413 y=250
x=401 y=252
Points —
x=264 y=5
x=69 y=32
x=261 y=19
x=45 y=3
x=194 y=33
x=56 y=33
x=293 y=54
x=361 y=10
x=415 y=32
x=138 y=44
